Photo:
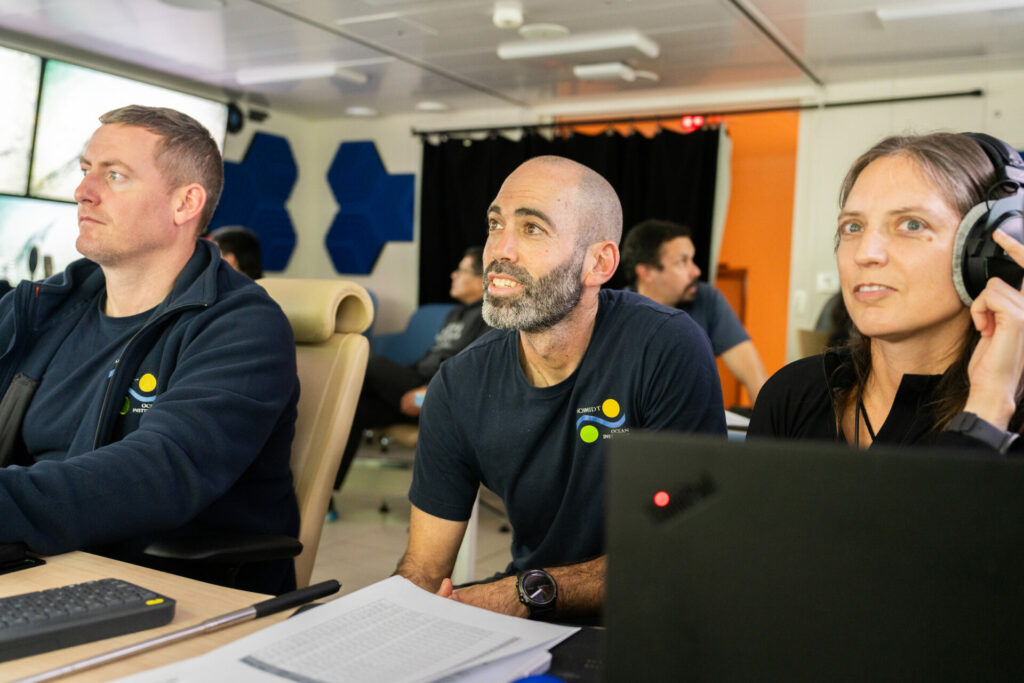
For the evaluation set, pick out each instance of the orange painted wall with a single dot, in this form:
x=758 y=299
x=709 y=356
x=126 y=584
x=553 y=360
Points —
x=759 y=223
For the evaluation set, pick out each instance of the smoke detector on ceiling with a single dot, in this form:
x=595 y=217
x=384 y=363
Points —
x=508 y=13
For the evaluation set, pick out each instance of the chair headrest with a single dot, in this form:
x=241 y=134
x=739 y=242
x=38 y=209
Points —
x=318 y=309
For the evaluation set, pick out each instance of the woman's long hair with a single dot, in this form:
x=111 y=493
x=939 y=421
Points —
x=964 y=175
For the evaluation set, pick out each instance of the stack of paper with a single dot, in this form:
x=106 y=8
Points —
x=390 y=632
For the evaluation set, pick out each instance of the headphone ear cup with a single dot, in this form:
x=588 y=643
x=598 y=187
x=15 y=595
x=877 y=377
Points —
x=971 y=225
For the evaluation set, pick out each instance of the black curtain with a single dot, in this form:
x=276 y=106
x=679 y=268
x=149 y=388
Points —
x=670 y=176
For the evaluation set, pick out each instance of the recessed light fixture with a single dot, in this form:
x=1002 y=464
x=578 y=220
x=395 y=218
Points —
x=542 y=31
x=297 y=72
x=360 y=111
x=580 y=42
x=904 y=12
x=208 y=5
x=431 y=106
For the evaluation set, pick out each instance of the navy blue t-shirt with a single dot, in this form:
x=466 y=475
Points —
x=712 y=312
x=64 y=412
x=647 y=367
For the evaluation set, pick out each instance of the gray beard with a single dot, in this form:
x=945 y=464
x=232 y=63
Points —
x=544 y=302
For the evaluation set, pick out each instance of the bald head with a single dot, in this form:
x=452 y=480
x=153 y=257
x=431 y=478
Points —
x=594 y=202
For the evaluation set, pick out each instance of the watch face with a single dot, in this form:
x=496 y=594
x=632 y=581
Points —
x=538 y=588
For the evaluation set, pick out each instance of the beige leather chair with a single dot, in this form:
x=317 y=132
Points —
x=327 y=318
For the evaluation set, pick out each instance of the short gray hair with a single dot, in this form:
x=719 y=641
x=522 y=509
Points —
x=186 y=154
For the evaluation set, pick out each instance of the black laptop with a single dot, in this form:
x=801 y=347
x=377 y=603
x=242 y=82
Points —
x=799 y=561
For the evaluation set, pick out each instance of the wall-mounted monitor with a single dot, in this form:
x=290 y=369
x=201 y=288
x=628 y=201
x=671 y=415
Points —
x=37 y=238
x=19 y=74
x=72 y=100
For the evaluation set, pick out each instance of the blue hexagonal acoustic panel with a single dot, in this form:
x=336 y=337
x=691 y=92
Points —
x=375 y=207
x=255 y=191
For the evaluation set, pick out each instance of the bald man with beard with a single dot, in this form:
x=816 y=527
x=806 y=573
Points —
x=525 y=410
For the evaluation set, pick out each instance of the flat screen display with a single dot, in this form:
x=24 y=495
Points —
x=73 y=98
x=37 y=238
x=19 y=74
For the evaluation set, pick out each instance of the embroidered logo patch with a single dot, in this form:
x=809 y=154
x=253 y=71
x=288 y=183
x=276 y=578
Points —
x=592 y=418
x=142 y=393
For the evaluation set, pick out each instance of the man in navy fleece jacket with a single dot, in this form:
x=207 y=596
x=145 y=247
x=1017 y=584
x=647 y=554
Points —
x=149 y=390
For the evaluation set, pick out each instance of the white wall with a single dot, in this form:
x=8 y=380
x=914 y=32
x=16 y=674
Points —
x=831 y=139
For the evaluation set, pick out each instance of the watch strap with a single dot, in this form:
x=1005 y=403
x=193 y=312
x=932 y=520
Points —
x=971 y=425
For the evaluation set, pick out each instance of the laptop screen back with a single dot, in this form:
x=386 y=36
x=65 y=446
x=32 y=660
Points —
x=800 y=561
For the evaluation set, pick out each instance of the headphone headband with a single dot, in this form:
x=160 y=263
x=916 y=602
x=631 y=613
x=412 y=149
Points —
x=1007 y=161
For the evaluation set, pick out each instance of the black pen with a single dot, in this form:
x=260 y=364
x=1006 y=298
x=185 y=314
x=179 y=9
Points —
x=260 y=609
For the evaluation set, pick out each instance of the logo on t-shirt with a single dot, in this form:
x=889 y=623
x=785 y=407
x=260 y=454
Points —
x=603 y=415
x=141 y=394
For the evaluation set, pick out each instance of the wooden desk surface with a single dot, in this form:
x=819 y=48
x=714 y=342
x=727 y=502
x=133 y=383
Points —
x=196 y=602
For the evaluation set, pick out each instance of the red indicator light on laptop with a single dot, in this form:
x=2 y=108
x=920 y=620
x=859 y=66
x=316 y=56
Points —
x=661 y=498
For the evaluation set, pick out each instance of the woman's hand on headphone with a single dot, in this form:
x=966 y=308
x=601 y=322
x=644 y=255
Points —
x=997 y=364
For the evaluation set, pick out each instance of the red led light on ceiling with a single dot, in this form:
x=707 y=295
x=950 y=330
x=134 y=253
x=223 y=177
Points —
x=661 y=498
x=691 y=123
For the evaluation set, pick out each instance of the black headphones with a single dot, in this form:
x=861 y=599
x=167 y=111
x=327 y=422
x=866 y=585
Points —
x=976 y=256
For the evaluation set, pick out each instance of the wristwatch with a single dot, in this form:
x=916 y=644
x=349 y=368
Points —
x=537 y=590
x=987 y=433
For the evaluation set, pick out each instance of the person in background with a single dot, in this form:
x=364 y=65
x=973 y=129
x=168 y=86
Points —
x=241 y=248
x=526 y=409
x=920 y=366
x=657 y=257
x=149 y=390
x=392 y=392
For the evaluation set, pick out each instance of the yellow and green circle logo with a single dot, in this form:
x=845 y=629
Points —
x=588 y=424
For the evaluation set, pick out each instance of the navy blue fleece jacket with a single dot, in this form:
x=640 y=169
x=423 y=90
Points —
x=211 y=452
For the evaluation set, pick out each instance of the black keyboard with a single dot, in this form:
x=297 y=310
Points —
x=41 y=621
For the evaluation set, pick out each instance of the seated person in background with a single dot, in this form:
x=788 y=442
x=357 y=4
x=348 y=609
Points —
x=526 y=408
x=390 y=390
x=919 y=361
x=149 y=390
x=241 y=248
x=657 y=257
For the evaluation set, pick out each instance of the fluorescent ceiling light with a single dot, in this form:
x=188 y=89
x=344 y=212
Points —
x=903 y=12
x=297 y=72
x=366 y=18
x=610 y=71
x=605 y=71
x=581 y=42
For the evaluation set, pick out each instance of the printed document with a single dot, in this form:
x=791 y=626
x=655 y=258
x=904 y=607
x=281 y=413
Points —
x=389 y=632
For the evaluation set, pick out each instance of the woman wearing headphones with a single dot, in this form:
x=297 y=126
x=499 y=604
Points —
x=922 y=366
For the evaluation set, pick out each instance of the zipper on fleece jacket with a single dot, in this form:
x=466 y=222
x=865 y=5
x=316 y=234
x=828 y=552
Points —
x=114 y=374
